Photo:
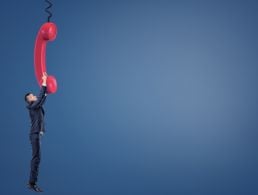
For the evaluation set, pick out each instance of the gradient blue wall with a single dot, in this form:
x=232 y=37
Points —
x=155 y=97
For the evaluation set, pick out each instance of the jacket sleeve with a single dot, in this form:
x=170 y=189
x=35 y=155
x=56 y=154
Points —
x=41 y=98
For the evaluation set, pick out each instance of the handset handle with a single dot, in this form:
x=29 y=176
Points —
x=47 y=32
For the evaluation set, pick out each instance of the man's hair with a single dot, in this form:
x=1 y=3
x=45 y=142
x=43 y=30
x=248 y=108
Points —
x=25 y=97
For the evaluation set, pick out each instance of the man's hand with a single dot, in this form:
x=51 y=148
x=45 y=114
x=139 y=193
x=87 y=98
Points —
x=44 y=79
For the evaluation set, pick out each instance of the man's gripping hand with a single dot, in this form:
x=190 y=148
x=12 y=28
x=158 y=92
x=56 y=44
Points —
x=44 y=79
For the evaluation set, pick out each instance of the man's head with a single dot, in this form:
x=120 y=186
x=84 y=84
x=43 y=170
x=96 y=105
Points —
x=29 y=98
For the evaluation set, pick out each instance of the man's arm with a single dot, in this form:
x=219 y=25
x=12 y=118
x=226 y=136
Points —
x=42 y=95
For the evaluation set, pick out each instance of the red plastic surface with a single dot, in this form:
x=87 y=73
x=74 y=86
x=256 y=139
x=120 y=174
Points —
x=47 y=32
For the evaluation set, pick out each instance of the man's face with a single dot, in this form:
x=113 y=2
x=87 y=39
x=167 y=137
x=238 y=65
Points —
x=32 y=98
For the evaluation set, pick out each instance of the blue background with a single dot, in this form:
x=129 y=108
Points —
x=155 y=97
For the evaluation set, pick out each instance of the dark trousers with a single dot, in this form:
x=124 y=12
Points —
x=36 y=155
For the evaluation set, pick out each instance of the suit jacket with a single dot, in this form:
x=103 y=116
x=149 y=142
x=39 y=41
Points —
x=36 y=112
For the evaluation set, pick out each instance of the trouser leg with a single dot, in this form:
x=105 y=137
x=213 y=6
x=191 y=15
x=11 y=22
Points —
x=36 y=155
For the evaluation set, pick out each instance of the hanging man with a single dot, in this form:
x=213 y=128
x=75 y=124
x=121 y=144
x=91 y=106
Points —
x=36 y=112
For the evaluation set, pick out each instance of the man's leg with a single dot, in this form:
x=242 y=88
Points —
x=35 y=161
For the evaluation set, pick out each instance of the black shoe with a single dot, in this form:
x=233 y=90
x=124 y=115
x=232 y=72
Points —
x=34 y=187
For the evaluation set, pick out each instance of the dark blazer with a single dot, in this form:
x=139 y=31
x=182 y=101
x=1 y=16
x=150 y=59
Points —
x=36 y=112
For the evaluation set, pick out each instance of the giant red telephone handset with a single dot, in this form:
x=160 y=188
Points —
x=47 y=32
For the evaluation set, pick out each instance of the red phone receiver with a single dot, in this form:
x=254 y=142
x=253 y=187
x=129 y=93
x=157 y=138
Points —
x=47 y=32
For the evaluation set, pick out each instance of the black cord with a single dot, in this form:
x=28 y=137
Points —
x=47 y=10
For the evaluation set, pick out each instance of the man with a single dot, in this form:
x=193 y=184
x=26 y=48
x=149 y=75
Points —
x=36 y=112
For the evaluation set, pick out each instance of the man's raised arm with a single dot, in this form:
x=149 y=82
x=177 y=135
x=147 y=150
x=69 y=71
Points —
x=42 y=95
